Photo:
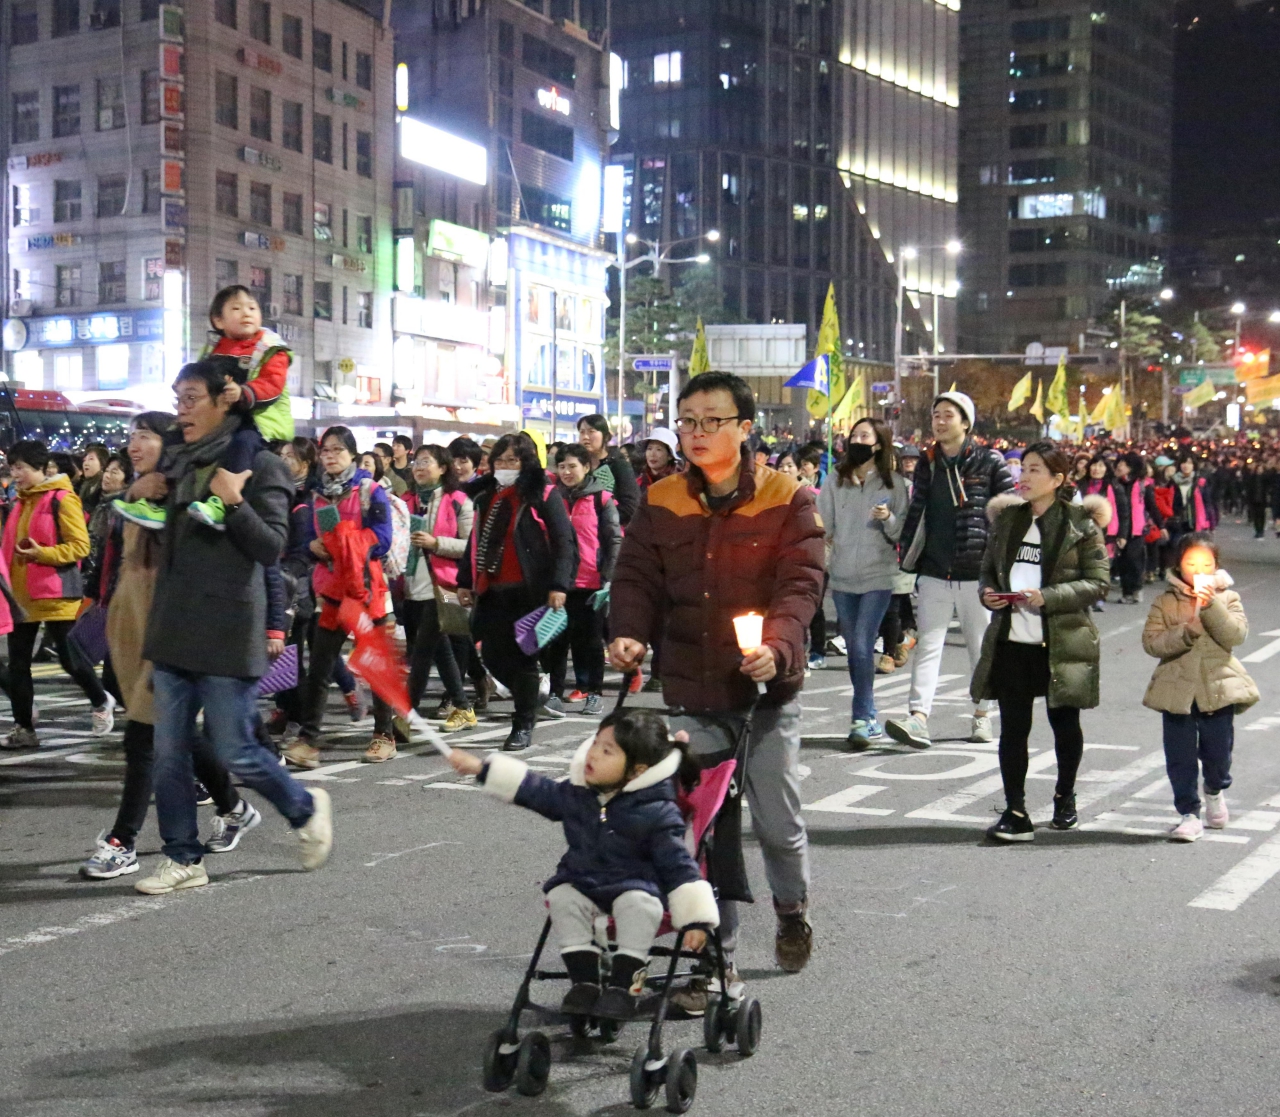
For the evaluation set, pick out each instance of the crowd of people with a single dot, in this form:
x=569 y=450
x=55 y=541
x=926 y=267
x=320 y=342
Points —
x=219 y=543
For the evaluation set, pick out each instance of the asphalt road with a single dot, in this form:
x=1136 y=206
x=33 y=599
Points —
x=1104 y=971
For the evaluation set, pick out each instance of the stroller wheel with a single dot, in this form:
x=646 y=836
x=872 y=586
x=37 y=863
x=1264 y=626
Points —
x=533 y=1064
x=713 y=1029
x=609 y=1030
x=645 y=1084
x=499 y=1068
x=580 y=1026
x=682 y=1080
x=746 y=1026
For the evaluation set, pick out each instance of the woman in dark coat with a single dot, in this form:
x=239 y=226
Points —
x=522 y=554
x=609 y=466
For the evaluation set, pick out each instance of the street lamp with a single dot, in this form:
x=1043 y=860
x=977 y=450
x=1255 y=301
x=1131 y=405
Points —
x=1238 y=309
x=952 y=247
x=1166 y=294
x=655 y=256
x=1274 y=316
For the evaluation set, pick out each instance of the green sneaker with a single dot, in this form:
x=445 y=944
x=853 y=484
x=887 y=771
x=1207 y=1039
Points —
x=211 y=512
x=142 y=512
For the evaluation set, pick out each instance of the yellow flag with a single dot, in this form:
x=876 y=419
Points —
x=1037 y=408
x=829 y=343
x=698 y=361
x=1056 y=400
x=854 y=401
x=1114 y=417
x=1201 y=394
x=1096 y=416
x=1021 y=393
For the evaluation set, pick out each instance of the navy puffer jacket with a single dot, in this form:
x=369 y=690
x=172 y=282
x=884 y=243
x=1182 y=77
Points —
x=980 y=473
x=633 y=841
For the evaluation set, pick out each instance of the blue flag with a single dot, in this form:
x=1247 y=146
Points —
x=814 y=375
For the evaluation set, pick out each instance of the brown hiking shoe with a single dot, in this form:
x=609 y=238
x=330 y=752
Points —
x=301 y=753
x=793 y=943
x=380 y=749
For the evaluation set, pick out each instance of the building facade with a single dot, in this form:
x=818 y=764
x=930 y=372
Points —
x=528 y=84
x=1065 y=165
x=157 y=153
x=779 y=124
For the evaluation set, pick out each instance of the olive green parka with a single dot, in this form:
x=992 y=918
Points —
x=1075 y=573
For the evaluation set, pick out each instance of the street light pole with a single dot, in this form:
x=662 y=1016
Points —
x=622 y=324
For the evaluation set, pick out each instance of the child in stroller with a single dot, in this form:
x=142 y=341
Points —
x=626 y=854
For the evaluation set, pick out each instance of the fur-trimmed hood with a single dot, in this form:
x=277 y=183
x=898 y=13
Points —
x=667 y=767
x=1097 y=505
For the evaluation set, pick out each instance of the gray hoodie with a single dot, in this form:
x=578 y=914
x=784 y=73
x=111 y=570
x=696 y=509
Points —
x=863 y=555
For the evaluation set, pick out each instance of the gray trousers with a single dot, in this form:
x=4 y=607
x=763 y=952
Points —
x=773 y=794
x=636 y=917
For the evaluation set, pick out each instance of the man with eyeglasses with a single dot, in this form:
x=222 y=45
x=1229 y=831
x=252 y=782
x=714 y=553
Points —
x=724 y=539
x=206 y=632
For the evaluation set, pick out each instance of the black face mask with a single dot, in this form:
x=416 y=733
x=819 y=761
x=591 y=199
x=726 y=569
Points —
x=859 y=453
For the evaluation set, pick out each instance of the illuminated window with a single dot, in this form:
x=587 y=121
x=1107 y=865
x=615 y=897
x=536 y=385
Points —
x=293 y=294
x=28 y=369
x=68 y=371
x=667 y=68
x=24 y=213
x=1032 y=206
x=113 y=366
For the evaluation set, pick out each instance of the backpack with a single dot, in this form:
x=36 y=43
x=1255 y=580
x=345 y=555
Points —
x=396 y=561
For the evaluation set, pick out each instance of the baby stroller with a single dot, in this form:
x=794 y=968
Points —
x=526 y=1060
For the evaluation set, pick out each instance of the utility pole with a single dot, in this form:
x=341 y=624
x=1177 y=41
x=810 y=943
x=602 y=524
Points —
x=622 y=325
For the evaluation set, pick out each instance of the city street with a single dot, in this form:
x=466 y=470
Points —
x=1103 y=971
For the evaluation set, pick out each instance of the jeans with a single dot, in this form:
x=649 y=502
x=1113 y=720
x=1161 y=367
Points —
x=493 y=624
x=859 y=616
x=636 y=918
x=585 y=635
x=229 y=706
x=139 y=759
x=939 y=600
x=773 y=794
x=1194 y=741
x=326 y=652
x=427 y=645
x=22 y=644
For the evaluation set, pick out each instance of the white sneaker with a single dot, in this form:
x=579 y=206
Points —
x=981 y=730
x=503 y=692
x=544 y=687
x=1216 y=815
x=1188 y=830
x=315 y=837
x=104 y=718
x=170 y=877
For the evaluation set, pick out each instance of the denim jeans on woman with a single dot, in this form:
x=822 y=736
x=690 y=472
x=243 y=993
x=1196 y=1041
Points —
x=859 y=616
x=230 y=706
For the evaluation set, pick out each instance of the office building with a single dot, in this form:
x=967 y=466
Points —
x=1065 y=164
x=818 y=137
x=527 y=85
x=157 y=153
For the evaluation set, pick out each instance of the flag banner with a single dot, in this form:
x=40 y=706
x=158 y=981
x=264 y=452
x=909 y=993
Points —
x=814 y=376
x=1056 y=401
x=1021 y=392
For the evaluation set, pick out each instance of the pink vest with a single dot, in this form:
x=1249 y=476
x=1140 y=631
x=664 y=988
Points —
x=1138 y=508
x=586 y=526
x=445 y=570
x=43 y=582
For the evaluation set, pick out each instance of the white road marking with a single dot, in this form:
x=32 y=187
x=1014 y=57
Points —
x=841 y=802
x=1265 y=652
x=1262 y=821
x=1158 y=789
x=1117 y=631
x=381 y=857
x=977 y=763
x=1243 y=879
x=1262 y=723
x=450 y=786
x=114 y=915
x=41 y=754
x=1140 y=831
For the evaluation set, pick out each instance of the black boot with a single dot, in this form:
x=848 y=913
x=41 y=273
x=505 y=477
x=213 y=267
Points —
x=616 y=1002
x=584 y=972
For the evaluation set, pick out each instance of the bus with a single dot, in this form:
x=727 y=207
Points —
x=62 y=425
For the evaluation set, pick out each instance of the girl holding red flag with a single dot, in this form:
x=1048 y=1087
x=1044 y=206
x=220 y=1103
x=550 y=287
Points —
x=352 y=531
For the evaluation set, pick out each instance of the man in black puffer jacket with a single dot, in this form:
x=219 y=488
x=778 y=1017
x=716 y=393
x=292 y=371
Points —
x=945 y=535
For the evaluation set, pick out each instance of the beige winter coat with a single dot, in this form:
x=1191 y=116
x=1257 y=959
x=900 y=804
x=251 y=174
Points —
x=1198 y=669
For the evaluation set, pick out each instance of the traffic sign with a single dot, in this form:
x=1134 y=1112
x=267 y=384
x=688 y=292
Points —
x=879 y=387
x=652 y=364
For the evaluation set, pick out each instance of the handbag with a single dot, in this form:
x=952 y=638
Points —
x=89 y=634
x=454 y=619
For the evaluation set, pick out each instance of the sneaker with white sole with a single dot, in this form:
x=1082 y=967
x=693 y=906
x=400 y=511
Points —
x=913 y=731
x=981 y=731
x=1216 y=815
x=1188 y=830
x=172 y=877
x=111 y=859
x=104 y=718
x=315 y=836
x=1014 y=826
x=459 y=719
x=228 y=829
